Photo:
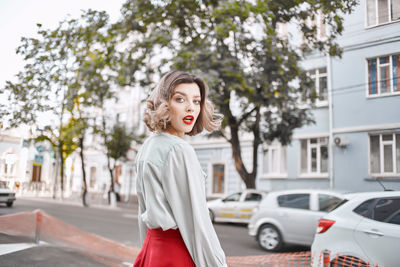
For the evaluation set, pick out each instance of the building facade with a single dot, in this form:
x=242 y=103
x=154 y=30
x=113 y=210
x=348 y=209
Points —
x=355 y=139
x=356 y=136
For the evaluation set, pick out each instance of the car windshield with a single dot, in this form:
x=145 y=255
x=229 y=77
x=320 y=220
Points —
x=3 y=184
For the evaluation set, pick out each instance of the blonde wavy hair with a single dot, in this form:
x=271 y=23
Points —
x=157 y=115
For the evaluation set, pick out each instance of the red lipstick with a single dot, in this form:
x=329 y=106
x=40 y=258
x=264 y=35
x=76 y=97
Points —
x=188 y=119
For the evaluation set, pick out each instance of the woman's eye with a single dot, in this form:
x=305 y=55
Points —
x=196 y=102
x=179 y=99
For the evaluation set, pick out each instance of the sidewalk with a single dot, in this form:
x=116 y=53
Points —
x=75 y=200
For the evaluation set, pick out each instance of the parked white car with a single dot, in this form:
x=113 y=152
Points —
x=237 y=207
x=290 y=217
x=365 y=229
x=6 y=195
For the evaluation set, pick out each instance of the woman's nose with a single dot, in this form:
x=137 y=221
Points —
x=189 y=106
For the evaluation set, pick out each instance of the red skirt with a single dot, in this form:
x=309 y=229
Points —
x=164 y=249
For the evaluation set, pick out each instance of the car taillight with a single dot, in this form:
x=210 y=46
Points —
x=324 y=225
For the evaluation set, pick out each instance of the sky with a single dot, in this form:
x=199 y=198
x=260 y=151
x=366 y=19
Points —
x=18 y=18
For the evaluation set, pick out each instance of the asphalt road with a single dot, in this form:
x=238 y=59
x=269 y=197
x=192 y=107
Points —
x=121 y=224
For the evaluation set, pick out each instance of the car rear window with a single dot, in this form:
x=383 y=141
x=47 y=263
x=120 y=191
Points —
x=381 y=209
x=297 y=201
x=387 y=210
x=365 y=208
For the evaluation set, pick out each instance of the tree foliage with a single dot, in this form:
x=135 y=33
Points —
x=117 y=143
x=254 y=73
x=65 y=68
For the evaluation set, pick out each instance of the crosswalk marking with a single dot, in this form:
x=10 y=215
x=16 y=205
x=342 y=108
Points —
x=14 y=247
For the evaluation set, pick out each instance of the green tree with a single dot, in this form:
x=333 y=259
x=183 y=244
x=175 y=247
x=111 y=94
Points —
x=76 y=128
x=64 y=66
x=63 y=144
x=117 y=144
x=254 y=73
x=43 y=87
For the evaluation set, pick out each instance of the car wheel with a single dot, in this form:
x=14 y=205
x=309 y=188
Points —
x=212 y=217
x=269 y=238
x=9 y=204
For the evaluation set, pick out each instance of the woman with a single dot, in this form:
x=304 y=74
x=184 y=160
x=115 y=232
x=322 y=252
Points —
x=173 y=217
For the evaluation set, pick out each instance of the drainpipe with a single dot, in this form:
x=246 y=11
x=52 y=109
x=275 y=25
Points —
x=330 y=104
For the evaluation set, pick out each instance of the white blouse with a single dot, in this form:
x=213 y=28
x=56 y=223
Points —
x=171 y=193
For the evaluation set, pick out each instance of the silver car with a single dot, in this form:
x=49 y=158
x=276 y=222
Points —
x=363 y=231
x=291 y=217
x=6 y=195
x=237 y=207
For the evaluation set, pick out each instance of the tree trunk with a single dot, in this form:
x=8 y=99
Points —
x=256 y=144
x=56 y=174
x=249 y=179
x=84 y=187
x=61 y=169
x=111 y=170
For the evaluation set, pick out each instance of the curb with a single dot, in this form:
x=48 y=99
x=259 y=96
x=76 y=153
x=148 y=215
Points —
x=73 y=202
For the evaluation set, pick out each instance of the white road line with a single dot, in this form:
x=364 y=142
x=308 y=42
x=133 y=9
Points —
x=11 y=248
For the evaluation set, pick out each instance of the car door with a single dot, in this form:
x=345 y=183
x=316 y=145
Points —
x=296 y=218
x=229 y=207
x=249 y=201
x=379 y=235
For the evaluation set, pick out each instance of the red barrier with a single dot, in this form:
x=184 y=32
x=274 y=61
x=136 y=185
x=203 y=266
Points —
x=326 y=260
x=38 y=226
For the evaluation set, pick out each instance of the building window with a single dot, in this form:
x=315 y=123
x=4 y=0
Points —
x=274 y=160
x=92 y=180
x=218 y=182
x=9 y=164
x=384 y=75
x=314 y=155
x=382 y=11
x=282 y=30
x=117 y=172
x=385 y=154
x=320 y=78
x=317 y=23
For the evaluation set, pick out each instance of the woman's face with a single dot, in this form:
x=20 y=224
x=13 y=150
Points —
x=184 y=107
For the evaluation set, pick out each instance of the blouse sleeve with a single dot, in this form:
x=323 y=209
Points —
x=183 y=184
x=142 y=225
